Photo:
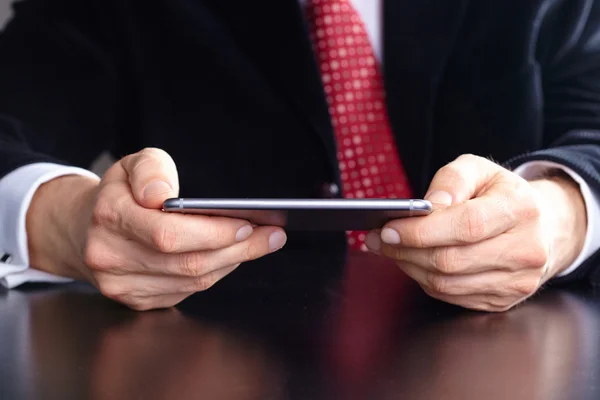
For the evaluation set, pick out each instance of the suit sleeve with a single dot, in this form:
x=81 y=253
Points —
x=58 y=84
x=568 y=55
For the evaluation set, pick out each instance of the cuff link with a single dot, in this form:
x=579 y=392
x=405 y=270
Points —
x=330 y=190
x=5 y=258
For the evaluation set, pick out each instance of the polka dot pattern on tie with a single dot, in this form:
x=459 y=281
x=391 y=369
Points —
x=368 y=158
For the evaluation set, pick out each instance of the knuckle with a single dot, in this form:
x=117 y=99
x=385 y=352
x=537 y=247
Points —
x=95 y=256
x=534 y=257
x=528 y=208
x=498 y=303
x=473 y=225
x=468 y=157
x=490 y=308
x=252 y=250
x=490 y=303
x=531 y=212
x=153 y=152
x=445 y=259
x=481 y=306
x=393 y=252
x=453 y=172
x=220 y=236
x=105 y=213
x=150 y=155
x=437 y=283
x=204 y=283
x=165 y=238
x=192 y=265
x=112 y=289
x=420 y=236
x=500 y=308
x=526 y=287
x=502 y=303
x=215 y=235
x=139 y=304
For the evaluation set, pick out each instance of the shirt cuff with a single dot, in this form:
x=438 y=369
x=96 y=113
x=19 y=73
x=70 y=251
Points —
x=16 y=191
x=592 y=203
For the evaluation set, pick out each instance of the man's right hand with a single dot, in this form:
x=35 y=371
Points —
x=114 y=235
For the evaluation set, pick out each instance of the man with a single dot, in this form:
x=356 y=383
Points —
x=285 y=98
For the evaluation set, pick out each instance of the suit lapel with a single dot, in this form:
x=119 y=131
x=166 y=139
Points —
x=274 y=36
x=418 y=39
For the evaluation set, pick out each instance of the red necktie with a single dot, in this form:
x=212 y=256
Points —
x=370 y=168
x=369 y=162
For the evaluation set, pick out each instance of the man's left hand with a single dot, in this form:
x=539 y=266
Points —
x=493 y=238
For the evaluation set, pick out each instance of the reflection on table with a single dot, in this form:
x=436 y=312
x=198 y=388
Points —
x=370 y=335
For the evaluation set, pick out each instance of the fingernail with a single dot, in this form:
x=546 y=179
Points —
x=440 y=197
x=390 y=236
x=156 y=188
x=277 y=240
x=243 y=233
x=373 y=241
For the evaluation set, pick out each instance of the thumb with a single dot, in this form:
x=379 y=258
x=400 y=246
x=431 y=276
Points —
x=460 y=180
x=152 y=176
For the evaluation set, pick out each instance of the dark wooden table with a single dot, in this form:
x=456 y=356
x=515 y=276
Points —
x=364 y=332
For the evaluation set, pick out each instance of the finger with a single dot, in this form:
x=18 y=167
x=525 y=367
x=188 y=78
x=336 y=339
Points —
x=153 y=177
x=119 y=257
x=507 y=252
x=466 y=223
x=455 y=183
x=140 y=291
x=166 y=232
x=477 y=302
x=158 y=302
x=452 y=260
x=264 y=240
x=176 y=233
x=155 y=302
x=500 y=283
x=117 y=212
x=461 y=179
x=150 y=286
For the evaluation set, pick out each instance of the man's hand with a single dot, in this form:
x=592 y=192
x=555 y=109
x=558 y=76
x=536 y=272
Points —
x=493 y=239
x=114 y=235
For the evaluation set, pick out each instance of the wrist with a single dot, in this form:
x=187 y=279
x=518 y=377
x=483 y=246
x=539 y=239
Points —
x=564 y=212
x=56 y=224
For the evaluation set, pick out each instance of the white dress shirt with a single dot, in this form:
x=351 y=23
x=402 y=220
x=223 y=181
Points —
x=17 y=189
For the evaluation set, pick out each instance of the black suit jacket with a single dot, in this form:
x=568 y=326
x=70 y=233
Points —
x=231 y=90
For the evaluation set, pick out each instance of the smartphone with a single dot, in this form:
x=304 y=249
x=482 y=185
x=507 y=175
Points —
x=306 y=214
